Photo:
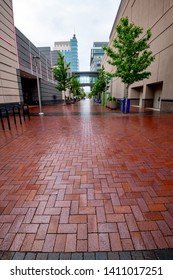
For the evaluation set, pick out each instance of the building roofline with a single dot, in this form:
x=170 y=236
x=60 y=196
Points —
x=62 y=42
x=123 y=2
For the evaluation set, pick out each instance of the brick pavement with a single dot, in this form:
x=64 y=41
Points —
x=87 y=181
x=161 y=254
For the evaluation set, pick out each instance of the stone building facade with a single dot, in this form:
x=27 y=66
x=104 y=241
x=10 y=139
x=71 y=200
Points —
x=18 y=78
x=157 y=91
x=9 y=87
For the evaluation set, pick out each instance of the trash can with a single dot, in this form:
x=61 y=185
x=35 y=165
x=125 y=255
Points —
x=128 y=106
x=125 y=105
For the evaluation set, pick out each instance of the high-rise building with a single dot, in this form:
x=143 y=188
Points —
x=97 y=54
x=70 y=52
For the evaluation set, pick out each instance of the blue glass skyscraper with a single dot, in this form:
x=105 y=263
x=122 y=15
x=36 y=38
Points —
x=70 y=52
x=74 y=54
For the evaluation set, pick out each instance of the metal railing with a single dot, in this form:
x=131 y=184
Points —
x=15 y=110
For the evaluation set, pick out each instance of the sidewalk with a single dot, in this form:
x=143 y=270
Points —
x=82 y=179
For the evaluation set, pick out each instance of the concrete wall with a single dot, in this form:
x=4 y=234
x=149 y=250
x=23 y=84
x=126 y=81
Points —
x=9 y=89
x=158 y=16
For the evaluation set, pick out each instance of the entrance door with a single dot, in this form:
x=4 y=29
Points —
x=28 y=88
x=157 y=96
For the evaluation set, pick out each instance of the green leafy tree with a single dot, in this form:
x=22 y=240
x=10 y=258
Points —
x=61 y=73
x=130 y=53
x=75 y=85
x=101 y=84
x=90 y=95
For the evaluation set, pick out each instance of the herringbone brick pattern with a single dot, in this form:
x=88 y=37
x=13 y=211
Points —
x=87 y=183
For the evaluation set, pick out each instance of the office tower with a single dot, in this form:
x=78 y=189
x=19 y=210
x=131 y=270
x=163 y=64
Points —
x=70 y=52
x=97 y=54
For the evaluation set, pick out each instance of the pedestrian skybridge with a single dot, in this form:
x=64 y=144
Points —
x=86 y=78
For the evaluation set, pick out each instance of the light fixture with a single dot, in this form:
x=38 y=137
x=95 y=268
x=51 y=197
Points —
x=36 y=58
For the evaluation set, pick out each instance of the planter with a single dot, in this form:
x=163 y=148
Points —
x=68 y=101
x=113 y=105
x=108 y=103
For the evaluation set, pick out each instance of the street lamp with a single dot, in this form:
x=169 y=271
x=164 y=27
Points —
x=36 y=58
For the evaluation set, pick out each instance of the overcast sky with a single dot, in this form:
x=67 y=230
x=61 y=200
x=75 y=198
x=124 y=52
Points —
x=45 y=21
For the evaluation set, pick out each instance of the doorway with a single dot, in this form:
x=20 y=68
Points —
x=154 y=92
x=29 y=86
x=157 y=96
x=137 y=96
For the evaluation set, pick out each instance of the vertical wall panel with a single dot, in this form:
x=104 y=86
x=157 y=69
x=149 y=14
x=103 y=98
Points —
x=9 y=90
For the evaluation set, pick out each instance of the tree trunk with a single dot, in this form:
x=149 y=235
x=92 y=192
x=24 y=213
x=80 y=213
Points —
x=103 y=98
x=126 y=89
x=63 y=94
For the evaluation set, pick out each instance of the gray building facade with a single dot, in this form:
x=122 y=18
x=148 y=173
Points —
x=27 y=71
x=51 y=55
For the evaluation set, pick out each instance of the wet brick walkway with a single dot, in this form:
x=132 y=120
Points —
x=83 y=180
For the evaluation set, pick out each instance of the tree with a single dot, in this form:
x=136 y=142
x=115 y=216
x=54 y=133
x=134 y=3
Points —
x=61 y=73
x=101 y=84
x=75 y=85
x=130 y=54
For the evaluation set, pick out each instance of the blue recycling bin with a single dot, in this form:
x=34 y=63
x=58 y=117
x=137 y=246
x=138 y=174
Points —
x=125 y=105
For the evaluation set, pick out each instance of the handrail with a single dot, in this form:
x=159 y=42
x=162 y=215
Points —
x=14 y=113
x=7 y=116
x=25 y=109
